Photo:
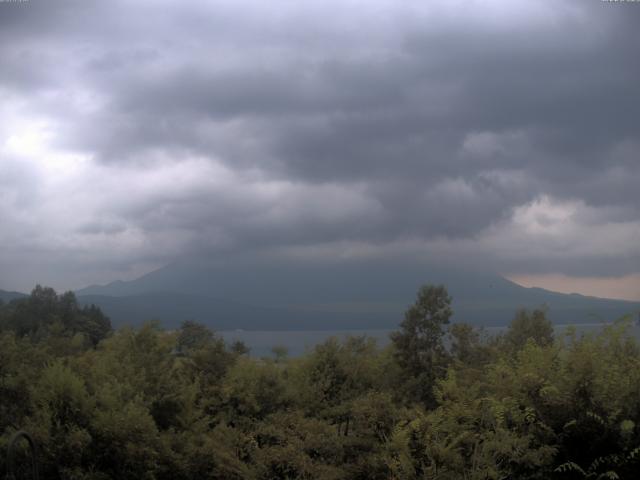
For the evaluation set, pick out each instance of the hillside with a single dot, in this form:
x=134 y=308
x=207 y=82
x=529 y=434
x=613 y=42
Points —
x=8 y=296
x=267 y=297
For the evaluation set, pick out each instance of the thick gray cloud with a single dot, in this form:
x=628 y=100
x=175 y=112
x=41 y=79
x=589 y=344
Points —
x=499 y=134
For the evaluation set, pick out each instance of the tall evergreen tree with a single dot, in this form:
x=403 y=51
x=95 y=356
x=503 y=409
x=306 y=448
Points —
x=419 y=349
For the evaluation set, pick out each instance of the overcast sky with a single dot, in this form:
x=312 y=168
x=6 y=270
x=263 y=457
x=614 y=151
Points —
x=499 y=134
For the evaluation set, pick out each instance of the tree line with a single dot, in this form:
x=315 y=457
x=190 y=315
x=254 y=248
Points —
x=441 y=401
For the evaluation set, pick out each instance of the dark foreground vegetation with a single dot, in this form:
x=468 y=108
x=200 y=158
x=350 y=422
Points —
x=441 y=402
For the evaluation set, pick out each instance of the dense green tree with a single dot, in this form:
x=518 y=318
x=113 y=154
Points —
x=255 y=390
x=93 y=323
x=529 y=325
x=335 y=374
x=44 y=314
x=419 y=347
x=469 y=345
x=238 y=347
x=145 y=403
x=293 y=446
x=192 y=336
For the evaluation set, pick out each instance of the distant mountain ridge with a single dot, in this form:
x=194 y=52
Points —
x=326 y=297
x=6 y=296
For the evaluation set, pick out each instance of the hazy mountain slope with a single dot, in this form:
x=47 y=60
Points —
x=328 y=296
x=171 y=309
x=309 y=284
x=8 y=296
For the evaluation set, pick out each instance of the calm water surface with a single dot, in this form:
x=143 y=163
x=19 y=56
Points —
x=298 y=342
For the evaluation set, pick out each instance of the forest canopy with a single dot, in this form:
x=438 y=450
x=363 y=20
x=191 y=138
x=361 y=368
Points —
x=441 y=401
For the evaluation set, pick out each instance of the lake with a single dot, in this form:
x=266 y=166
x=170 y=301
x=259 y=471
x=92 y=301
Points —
x=298 y=342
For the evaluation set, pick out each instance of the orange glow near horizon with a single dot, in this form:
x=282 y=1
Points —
x=623 y=288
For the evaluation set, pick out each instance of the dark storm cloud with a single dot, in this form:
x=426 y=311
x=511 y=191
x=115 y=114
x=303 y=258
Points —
x=324 y=123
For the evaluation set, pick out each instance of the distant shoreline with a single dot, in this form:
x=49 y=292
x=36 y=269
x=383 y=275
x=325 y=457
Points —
x=297 y=342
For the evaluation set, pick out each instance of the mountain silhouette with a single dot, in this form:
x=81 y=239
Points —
x=350 y=295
